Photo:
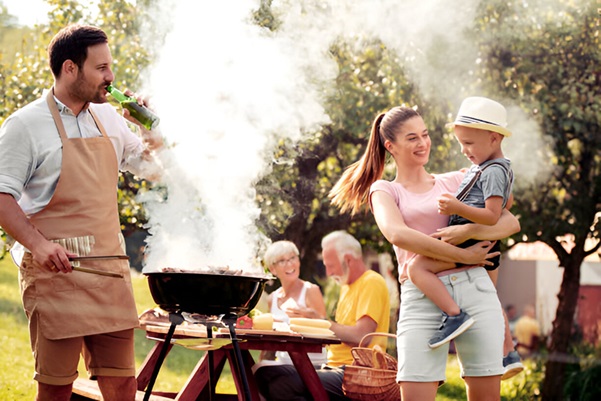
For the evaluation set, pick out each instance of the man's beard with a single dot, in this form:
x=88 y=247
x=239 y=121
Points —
x=342 y=280
x=81 y=90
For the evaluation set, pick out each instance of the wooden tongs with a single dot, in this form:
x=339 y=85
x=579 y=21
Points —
x=96 y=271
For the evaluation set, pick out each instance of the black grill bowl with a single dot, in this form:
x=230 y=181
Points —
x=210 y=294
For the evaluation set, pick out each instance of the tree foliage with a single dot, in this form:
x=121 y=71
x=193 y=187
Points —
x=550 y=65
x=24 y=75
x=294 y=197
x=546 y=62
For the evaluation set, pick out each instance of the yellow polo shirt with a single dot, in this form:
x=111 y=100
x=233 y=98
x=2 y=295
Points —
x=367 y=296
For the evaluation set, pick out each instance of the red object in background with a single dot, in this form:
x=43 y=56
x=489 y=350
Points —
x=589 y=313
x=244 y=322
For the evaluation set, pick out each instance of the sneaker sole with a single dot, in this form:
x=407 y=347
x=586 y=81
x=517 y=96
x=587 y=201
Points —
x=466 y=325
x=512 y=370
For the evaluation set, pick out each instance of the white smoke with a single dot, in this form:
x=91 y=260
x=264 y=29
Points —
x=227 y=90
x=527 y=148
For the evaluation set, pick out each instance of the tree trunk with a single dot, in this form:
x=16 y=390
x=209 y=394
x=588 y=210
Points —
x=553 y=384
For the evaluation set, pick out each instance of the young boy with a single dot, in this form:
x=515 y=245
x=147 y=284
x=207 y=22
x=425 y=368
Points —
x=482 y=196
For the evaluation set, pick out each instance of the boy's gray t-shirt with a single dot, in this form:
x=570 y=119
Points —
x=495 y=180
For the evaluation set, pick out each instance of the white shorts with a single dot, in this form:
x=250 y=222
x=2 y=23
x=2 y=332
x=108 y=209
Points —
x=480 y=348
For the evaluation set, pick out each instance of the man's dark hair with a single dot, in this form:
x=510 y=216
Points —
x=71 y=43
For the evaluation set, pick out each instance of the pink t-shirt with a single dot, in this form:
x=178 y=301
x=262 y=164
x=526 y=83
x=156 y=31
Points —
x=419 y=210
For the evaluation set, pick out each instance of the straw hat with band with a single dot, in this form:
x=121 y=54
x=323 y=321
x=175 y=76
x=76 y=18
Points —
x=482 y=113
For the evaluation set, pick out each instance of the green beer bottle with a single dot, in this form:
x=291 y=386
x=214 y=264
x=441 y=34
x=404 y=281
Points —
x=146 y=117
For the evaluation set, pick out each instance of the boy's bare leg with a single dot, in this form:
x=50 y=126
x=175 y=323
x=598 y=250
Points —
x=422 y=272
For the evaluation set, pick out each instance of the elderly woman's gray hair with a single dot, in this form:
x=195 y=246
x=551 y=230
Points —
x=278 y=249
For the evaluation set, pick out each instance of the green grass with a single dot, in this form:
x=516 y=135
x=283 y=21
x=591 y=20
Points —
x=16 y=363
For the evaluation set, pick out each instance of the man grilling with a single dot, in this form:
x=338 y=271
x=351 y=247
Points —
x=60 y=158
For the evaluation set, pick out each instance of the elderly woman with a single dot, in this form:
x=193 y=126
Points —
x=296 y=297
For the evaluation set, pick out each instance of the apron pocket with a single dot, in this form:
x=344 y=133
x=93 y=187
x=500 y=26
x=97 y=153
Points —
x=74 y=281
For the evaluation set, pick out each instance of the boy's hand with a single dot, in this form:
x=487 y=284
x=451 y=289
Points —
x=448 y=204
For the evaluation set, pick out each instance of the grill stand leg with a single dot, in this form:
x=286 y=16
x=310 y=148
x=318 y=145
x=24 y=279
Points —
x=230 y=321
x=211 y=363
x=175 y=319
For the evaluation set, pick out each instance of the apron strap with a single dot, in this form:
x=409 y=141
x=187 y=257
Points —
x=59 y=122
x=463 y=194
x=98 y=124
x=55 y=114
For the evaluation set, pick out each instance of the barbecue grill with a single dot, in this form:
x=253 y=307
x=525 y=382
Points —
x=218 y=298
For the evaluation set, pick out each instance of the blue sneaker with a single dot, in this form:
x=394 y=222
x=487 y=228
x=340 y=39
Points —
x=512 y=364
x=451 y=327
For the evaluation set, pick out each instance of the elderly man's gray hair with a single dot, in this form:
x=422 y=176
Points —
x=344 y=243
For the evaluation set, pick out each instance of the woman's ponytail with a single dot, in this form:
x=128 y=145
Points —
x=351 y=190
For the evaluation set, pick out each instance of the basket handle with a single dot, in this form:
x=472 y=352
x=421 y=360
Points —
x=377 y=358
x=376 y=333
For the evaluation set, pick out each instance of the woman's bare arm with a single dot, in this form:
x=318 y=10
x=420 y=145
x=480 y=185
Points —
x=393 y=227
x=315 y=301
x=507 y=225
x=316 y=307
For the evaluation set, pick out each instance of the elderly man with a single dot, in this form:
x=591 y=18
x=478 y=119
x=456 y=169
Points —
x=363 y=307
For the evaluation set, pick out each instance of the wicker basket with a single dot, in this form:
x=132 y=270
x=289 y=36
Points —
x=372 y=376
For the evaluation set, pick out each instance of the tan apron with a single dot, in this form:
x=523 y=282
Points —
x=83 y=205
